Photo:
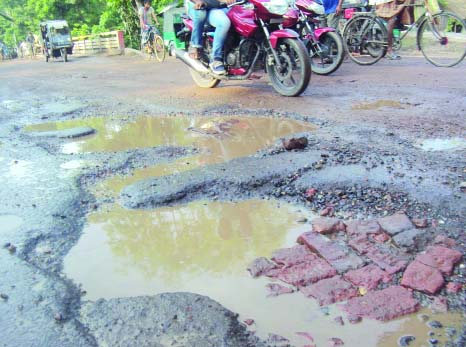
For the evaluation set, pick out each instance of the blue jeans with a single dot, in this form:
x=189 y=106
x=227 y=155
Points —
x=217 y=18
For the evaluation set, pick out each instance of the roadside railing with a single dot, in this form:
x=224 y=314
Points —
x=104 y=43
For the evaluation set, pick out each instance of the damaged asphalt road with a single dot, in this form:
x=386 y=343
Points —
x=363 y=164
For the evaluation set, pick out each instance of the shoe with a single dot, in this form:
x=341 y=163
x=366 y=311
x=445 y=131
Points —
x=217 y=67
x=392 y=56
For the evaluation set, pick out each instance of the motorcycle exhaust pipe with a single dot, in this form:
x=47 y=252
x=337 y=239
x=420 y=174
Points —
x=192 y=63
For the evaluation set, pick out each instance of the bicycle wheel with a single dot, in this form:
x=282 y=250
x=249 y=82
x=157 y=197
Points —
x=442 y=39
x=158 y=48
x=364 y=39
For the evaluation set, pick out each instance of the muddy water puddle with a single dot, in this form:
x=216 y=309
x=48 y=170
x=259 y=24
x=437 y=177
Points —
x=205 y=247
x=218 y=139
x=378 y=104
x=452 y=144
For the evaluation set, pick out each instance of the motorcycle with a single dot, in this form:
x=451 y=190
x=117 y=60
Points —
x=255 y=42
x=324 y=44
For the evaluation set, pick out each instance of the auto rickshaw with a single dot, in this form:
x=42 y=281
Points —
x=56 y=38
x=172 y=24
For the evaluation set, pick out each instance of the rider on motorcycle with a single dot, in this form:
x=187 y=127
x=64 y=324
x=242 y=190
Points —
x=214 y=13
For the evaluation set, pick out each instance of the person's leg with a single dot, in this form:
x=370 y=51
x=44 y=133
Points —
x=332 y=20
x=199 y=18
x=218 y=19
x=390 y=26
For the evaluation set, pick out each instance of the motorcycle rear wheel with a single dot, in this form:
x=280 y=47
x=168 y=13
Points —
x=331 y=55
x=292 y=77
x=202 y=80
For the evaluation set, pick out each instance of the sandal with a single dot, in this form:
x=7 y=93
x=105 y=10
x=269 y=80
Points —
x=392 y=56
x=194 y=53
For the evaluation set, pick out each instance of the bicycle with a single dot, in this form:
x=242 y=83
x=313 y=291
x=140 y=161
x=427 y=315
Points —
x=441 y=37
x=152 y=43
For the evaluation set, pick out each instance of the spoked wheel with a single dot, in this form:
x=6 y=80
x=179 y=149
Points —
x=291 y=77
x=442 y=39
x=364 y=39
x=204 y=80
x=328 y=56
x=158 y=48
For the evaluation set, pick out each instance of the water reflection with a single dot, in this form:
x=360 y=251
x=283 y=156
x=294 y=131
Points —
x=231 y=137
x=167 y=247
x=442 y=144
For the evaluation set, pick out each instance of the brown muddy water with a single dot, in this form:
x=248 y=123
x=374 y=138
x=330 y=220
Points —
x=218 y=140
x=205 y=247
x=378 y=104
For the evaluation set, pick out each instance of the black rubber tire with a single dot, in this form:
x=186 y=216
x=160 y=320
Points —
x=301 y=56
x=431 y=47
x=330 y=41
x=355 y=41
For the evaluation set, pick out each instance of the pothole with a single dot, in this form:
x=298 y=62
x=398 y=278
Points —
x=205 y=247
x=218 y=134
x=452 y=144
x=219 y=139
x=378 y=104
x=202 y=247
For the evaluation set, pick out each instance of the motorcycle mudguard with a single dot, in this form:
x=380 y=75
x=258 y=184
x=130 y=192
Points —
x=320 y=31
x=280 y=34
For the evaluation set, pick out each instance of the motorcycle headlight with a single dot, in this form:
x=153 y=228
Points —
x=279 y=7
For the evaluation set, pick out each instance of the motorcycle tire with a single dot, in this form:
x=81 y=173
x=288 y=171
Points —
x=294 y=58
x=331 y=55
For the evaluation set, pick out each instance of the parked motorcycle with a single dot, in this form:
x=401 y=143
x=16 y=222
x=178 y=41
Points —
x=255 y=42
x=324 y=44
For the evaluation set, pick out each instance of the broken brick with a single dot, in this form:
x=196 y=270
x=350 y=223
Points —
x=338 y=256
x=361 y=243
x=407 y=238
x=420 y=222
x=324 y=225
x=383 y=305
x=396 y=223
x=305 y=273
x=276 y=289
x=292 y=256
x=442 y=240
x=355 y=228
x=387 y=259
x=349 y=262
x=330 y=290
x=322 y=245
x=260 y=266
x=381 y=238
x=368 y=276
x=441 y=258
x=454 y=287
x=423 y=278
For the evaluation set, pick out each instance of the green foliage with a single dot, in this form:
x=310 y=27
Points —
x=83 y=16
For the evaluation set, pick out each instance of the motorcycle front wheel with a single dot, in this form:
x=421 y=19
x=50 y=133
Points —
x=291 y=77
x=203 y=80
x=327 y=55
